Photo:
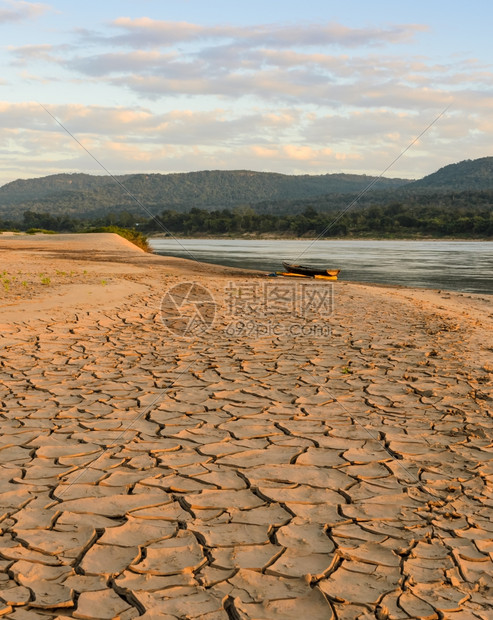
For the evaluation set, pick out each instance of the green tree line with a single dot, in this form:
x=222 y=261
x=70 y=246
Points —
x=392 y=220
x=387 y=221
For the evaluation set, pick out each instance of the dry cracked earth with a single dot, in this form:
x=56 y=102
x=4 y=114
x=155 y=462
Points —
x=238 y=477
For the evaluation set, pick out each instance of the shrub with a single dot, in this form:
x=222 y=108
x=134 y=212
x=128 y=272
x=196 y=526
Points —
x=132 y=235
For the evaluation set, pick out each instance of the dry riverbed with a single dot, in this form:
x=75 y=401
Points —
x=275 y=463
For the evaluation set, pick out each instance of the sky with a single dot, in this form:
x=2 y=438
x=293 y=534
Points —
x=312 y=87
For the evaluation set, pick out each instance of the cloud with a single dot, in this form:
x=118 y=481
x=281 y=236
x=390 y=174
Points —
x=140 y=126
x=125 y=63
x=288 y=140
x=314 y=98
x=329 y=66
x=276 y=76
x=145 y=32
x=16 y=11
x=43 y=53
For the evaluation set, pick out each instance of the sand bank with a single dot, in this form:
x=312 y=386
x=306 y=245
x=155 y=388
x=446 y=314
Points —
x=341 y=469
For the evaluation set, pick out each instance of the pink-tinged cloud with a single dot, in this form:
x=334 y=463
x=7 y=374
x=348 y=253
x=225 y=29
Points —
x=145 y=32
x=291 y=141
x=27 y=54
x=280 y=77
x=16 y=11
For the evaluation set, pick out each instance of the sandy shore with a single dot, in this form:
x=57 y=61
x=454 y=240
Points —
x=311 y=452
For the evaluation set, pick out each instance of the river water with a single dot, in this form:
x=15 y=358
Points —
x=452 y=265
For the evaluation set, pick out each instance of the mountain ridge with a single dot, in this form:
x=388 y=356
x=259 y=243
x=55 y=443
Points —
x=467 y=174
x=85 y=196
x=88 y=195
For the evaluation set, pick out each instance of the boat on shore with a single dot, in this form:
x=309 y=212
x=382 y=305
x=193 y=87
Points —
x=286 y=274
x=310 y=272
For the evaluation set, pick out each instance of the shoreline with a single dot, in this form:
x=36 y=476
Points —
x=267 y=237
x=288 y=238
x=261 y=468
x=203 y=266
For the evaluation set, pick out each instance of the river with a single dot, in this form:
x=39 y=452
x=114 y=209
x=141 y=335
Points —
x=465 y=266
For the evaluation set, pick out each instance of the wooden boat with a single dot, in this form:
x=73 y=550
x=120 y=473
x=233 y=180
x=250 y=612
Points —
x=288 y=274
x=309 y=271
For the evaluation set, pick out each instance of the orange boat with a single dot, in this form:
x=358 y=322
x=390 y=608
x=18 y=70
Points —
x=310 y=272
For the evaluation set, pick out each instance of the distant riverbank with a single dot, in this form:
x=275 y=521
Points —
x=278 y=237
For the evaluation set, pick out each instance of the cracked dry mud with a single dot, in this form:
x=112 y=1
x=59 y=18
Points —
x=231 y=477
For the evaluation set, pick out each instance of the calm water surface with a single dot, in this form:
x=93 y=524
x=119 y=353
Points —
x=454 y=265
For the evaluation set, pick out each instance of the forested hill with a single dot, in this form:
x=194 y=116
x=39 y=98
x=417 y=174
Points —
x=24 y=190
x=85 y=195
x=470 y=174
x=469 y=182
